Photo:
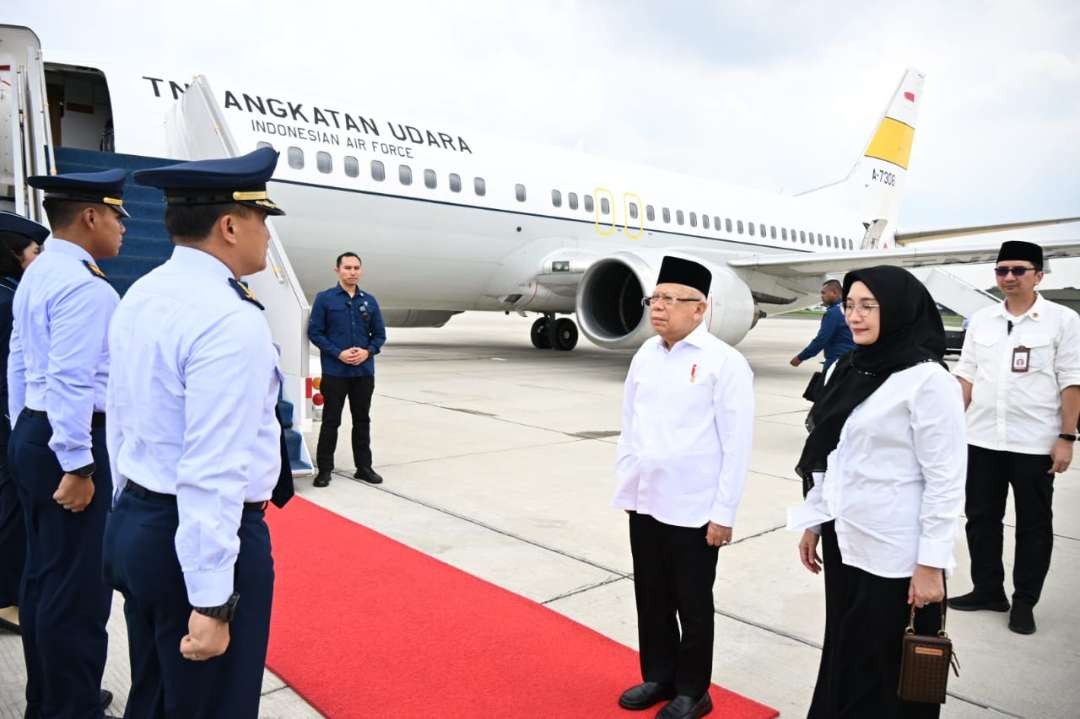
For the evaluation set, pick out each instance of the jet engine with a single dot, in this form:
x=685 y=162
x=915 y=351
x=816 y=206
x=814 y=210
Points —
x=609 y=295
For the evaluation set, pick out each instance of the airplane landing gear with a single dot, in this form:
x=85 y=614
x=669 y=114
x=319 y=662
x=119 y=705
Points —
x=539 y=334
x=548 y=332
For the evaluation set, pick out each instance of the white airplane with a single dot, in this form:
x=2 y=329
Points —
x=448 y=221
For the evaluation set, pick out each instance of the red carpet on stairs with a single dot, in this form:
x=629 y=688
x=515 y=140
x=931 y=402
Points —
x=364 y=626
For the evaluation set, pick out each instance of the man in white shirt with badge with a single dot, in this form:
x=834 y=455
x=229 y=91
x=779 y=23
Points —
x=682 y=460
x=1020 y=373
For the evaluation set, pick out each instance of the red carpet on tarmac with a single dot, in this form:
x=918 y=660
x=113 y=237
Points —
x=364 y=626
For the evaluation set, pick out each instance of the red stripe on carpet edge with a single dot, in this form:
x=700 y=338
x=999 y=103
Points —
x=364 y=626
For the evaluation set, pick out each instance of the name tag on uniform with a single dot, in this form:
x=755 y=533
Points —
x=1020 y=359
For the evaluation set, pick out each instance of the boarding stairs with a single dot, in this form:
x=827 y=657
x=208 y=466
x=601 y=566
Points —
x=950 y=291
x=194 y=132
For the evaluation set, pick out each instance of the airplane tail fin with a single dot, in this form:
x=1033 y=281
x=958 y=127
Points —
x=875 y=182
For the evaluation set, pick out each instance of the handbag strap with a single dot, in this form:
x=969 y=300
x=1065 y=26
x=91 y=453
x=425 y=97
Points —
x=944 y=603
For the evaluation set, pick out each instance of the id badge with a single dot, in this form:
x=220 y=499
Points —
x=1020 y=359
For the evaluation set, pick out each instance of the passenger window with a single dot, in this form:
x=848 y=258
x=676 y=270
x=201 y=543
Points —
x=430 y=180
x=571 y=199
x=819 y=239
x=772 y=231
x=605 y=206
x=667 y=215
x=588 y=203
x=716 y=223
x=783 y=233
x=323 y=161
x=378 y=172
x=727 y=224
x=802 y=236
x=633 y=210
x=705 y=221
x=556 y=198
x=750 y=226
x=679 y=217
x=762 y=228
x=519 y=192
x=352 y=166
x=455 y=182
x=261 y=145
x=405 y=174
x=296 y=158
x=650 y=213
x=739 y=226
x=693 y=219
x=479 y=186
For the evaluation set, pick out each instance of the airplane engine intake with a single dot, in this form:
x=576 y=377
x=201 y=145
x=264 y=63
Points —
x=609 y=296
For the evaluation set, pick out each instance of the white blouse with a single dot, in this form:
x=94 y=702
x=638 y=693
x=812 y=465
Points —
x=895 y=482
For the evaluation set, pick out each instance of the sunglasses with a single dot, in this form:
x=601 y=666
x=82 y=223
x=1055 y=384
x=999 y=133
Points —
x=1015 y=271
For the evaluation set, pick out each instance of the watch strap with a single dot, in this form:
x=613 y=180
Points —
x=1067 y=437
x=224 y=612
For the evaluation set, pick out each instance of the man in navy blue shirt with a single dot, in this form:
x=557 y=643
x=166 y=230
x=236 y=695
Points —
x=347 y=326
x=834 y=336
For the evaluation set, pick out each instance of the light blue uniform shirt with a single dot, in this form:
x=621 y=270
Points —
x=191 y=409
x=59 y=359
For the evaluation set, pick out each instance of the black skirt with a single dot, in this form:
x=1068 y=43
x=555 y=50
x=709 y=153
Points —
x=865 y=618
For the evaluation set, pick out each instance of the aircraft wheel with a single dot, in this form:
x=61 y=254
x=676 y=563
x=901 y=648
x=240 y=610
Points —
x=565 y=336
x=539 y=334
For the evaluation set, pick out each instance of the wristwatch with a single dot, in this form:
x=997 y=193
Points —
x=87 y=471
x=224 y=612
x=1067 y=437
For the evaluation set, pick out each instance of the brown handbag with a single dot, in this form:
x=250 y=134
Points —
x=925 y=662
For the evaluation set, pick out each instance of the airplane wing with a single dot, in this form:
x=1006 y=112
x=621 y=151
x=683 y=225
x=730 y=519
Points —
x=815 y=264
x=906 y=238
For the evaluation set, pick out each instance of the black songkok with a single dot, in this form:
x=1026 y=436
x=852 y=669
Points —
x=685 y=272
x=1017 y=250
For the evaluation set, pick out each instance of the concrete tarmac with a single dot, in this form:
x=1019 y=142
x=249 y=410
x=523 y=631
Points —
x=498 y=460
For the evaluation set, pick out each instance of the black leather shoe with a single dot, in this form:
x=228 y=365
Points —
x=1022 y=619
x=684 y=707
x=9 y=620
x=106 y=699
x=972 y=602
x=645 y=695
x=322 y=479
x=368 y=475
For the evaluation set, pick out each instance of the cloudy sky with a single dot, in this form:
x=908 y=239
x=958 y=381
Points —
x=780 y=96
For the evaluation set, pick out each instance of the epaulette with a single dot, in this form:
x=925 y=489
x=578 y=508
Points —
x=245 y=294
x=95 y=270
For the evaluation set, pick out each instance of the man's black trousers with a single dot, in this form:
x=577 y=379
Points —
x=674 y=570
x=335 y=390
x=990 y=473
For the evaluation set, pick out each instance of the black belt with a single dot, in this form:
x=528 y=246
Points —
x=97 y=420
x=140 y=491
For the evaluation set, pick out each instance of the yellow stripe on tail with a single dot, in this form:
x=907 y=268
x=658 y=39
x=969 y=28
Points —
x=892 y=142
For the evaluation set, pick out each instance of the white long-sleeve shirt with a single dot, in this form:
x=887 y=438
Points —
x=1019 y=411
x=59 y=362
x=688 y=416
x=191 y=409
x=895 y=482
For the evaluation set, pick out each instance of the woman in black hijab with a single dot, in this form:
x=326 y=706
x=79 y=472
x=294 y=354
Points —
x=883 y=472
x=19 y=245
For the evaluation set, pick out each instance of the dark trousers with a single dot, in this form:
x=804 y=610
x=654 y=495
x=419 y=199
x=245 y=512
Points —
x=989 y=475
x=674 y=570
x=12 y=527
x=865 y=618
x=64 y=602
x=335 y=390
x=141 y=562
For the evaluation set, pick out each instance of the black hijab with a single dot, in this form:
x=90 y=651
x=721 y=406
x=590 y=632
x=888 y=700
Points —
x=911 y=333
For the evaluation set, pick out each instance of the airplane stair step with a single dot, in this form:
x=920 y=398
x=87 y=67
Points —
x=147 y=244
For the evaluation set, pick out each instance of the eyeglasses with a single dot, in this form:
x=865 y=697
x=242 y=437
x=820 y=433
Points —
x=1015 y=271
x=862 y=310
x=667 y=300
